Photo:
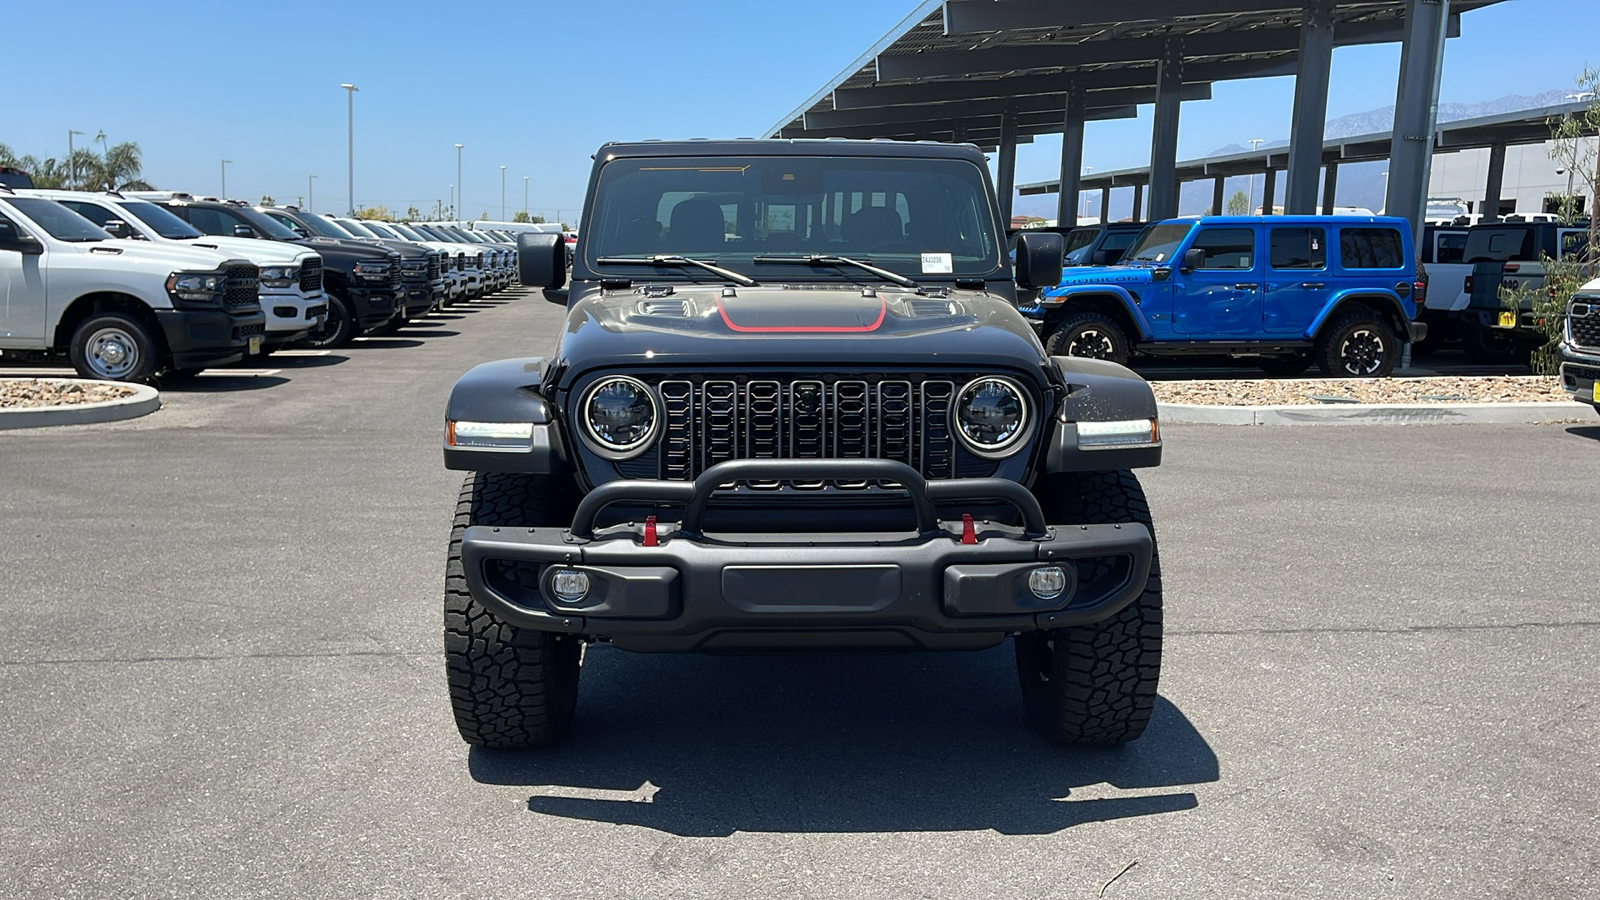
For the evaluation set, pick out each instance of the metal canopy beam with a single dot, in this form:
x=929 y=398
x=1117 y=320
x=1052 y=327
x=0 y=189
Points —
x=1071 y=159
x=1416 y=109
x=971 y=16
x=973 y=109
x=1021 y=86
x=1310 y=108
x=1044 y=122
x=1164 y=133
x=1022 y=57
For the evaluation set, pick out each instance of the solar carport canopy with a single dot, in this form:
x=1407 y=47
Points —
x=951 y=68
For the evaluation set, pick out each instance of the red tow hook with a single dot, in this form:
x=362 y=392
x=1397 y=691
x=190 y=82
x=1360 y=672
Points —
x=650 y=539
x=969 y=533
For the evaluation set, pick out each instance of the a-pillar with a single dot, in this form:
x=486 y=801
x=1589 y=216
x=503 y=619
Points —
x=1164 y=133
x=1310 y=108
x=1138 y=203
x=1416 y=108
x=1105 y=204
x=1330 y=186
x=1071 y=160
x=1217 y=200
x=1491 y=191
x=1008 y=161
x=1269 y=191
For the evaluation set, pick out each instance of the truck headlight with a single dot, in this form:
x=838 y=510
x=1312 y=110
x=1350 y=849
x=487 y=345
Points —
x=1126 y=433
x=279 y=276
x=991 y=416
x=512 y=436
x=372 y=271
x=619 y=416
x=194 y=287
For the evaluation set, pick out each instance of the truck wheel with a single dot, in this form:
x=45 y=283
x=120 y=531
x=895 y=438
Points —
x=1090 y=335
x=510 y=687
x=1095 y=685
x=1360 y=345
x=1491 y=346
x=115 y=347
x=1287 y=366
x=336 y=330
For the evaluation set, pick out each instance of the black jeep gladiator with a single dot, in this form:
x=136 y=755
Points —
x=793 y=408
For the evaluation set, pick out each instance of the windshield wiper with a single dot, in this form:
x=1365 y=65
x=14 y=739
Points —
x=678 y=262
x=823 y=259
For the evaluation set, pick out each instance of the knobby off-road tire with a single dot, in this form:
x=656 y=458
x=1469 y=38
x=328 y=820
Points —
x=1088 y=334
x=1360 y=345
x=1095 y=685
x=510 y=687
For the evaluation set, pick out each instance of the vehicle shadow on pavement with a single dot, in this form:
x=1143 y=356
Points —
x=219 y=381
x=709 y=746
x=295 y=362
x=1592 y=432
x=429 y=333
x=382 y=343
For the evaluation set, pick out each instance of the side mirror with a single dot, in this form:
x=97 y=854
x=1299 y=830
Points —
x=542 y=261
x=25 y=244
x=117 y=228
x=244 y=231
x=557 y=295
x=1193 y=258
x=1038 y=263
x=1160 y=274
x=302 y=232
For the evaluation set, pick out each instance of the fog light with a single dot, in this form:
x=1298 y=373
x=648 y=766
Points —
x=571 y=586
x=1047 y=582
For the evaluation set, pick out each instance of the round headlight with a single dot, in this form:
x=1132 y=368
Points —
x=991 y=416
x=619 y=415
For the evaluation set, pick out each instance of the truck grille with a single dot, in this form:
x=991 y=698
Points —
x=311 y=276
x=242 y=287
x=708 y=420
x=433 y=267
x=245 y=331
x=1585 y=329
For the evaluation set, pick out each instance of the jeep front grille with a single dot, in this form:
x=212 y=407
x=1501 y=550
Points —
x=709 y=420
x=311 y=276
x=241 y=287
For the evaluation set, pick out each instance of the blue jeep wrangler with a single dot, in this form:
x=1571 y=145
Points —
x=1263 y=288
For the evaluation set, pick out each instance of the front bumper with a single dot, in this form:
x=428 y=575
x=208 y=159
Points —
x=198 y=338
x=373 y=307
x=419 y=297
x=928 y=589
x=1579 y=371
x=291 y=314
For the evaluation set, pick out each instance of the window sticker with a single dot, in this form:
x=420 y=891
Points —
x=937 y=264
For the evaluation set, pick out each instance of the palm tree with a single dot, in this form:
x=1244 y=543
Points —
x=121 y=168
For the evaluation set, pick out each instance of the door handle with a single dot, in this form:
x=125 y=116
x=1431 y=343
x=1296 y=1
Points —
x=1244 y=287
x=1313 y=285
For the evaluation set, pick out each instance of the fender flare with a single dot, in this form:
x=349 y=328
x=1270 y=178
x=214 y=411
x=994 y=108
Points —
x=1056 y=297
x=1388 y=300
x=1097 y=391
x=506 y=390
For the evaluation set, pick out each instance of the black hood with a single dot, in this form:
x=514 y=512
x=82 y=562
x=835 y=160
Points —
x=348 y=250
x=804 y=324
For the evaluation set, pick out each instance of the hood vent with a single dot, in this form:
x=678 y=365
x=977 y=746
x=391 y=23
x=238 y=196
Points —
x=672 y=309
x=924 y=309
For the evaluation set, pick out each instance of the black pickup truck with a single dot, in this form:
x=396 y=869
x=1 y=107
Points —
x=794 y=408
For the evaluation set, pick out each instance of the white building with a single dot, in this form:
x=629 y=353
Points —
x=1532 y=182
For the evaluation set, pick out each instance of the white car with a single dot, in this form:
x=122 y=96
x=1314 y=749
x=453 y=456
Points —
x=120 y=310
x=291 y=275
x=474 y=261
x=455 y=278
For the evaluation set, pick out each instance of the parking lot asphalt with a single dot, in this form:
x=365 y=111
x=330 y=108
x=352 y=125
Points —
x=221 y=675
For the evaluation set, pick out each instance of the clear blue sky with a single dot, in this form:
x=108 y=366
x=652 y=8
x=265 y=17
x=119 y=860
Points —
x=538 y=86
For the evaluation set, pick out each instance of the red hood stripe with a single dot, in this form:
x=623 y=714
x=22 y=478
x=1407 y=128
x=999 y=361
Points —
x=883 y=310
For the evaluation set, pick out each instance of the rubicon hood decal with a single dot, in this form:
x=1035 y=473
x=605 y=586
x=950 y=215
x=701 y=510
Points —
x=833 y=315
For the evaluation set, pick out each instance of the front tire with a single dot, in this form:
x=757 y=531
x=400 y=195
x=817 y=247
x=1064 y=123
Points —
x=1088 y=334
x=510 y=687
x=336 y=330
x=1360 y=345
x=1095 y=685
x=115 y=347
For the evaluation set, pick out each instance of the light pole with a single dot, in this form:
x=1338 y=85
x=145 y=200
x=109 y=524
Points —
x=225 y=178
x=1386 y=193
x=1250 y=201
x=1082 y=200
x=350 y=132
x=463 y=185
x=72 y=163
x=502 y=193
x=311 y=195
x=452 y=201
x=525 y=196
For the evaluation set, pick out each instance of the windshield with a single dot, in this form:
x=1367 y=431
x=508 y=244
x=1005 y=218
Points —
x=320 y=226
x=63 y=224
x=160 y=221
x=1499 y=245
x=410 y=234
x=1078 y=243
x=274 y=229
x=384 y=231
x=1158 y=242
x=355 y=228
x=912 y=216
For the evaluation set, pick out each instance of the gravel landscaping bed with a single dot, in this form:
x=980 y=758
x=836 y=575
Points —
x=1307 y=391
x=28 y=393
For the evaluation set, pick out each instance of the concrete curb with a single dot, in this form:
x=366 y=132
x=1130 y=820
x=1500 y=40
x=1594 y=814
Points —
x=143 y=401
x=1377 y=414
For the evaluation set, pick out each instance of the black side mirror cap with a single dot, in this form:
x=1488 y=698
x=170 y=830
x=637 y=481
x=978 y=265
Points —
x=1038 y=263
x=1160 y=274
x=302 y=232
x=117 y=228
x=1193 y=258
x=556 y=295
x=244 y=231
x=25 y=244
x=542 y=260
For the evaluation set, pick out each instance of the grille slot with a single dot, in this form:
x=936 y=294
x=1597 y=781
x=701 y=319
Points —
x=241 y=332
x=311 y=276
x=712 y=420
x=1585 y=329
x=241 y=287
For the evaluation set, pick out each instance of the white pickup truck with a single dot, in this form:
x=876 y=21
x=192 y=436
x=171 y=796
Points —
x=120 y=310
x=291 y=275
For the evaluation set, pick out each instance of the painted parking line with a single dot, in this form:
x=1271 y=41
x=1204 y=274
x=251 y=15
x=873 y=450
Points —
x=304 y=353
x=39 y=372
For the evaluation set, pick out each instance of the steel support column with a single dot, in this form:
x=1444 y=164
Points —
x=1164 y=133
x=1310 y=108
x=1071 y=161
x=1330 y=186
x=1491 y=191
x=1007 y=165
x=1269 y=191
x=1105 y=204
x=1138 y=202
x=1217 y=199
x=1416 y=109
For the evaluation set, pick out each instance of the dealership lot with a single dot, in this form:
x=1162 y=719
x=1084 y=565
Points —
x=222 y=676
